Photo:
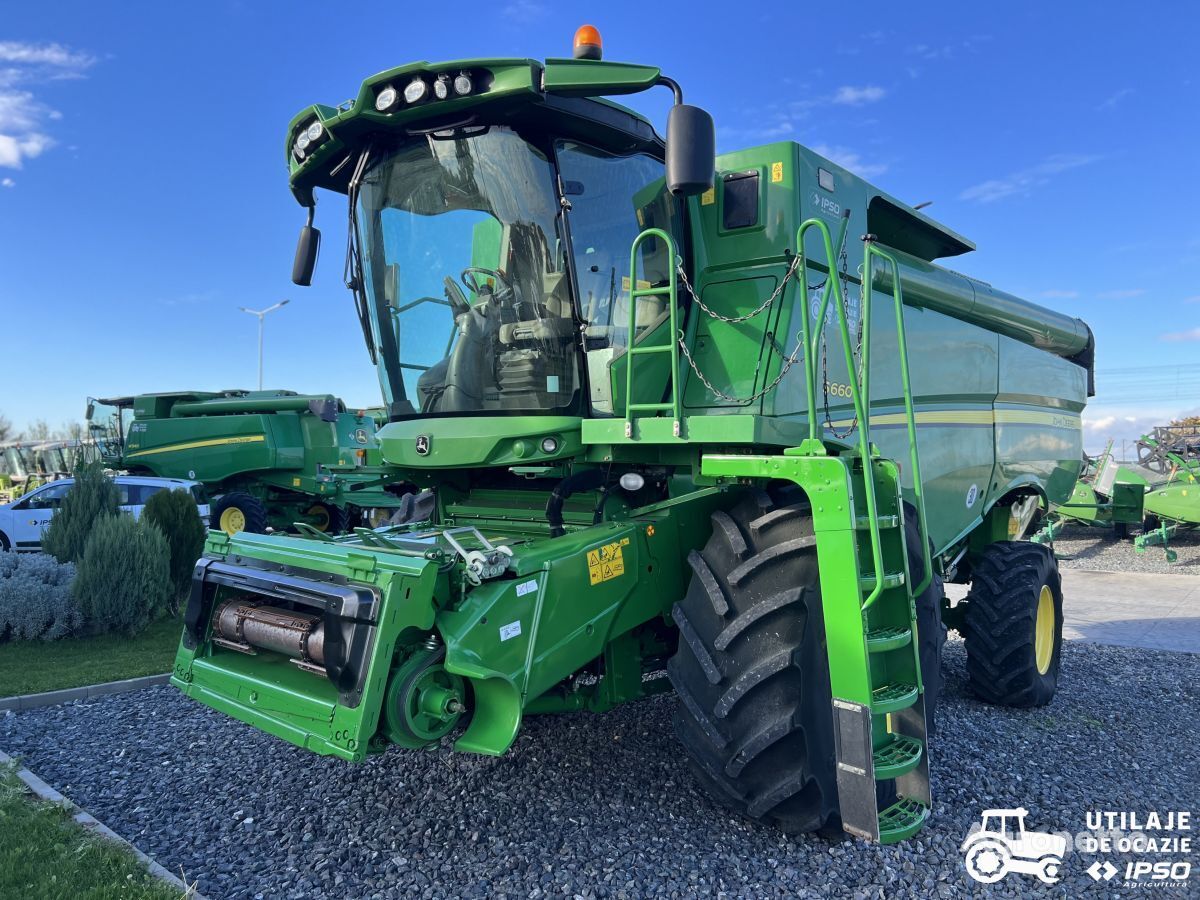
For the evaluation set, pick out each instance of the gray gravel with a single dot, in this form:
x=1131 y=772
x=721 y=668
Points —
x=600 y=805
x=1096 y=548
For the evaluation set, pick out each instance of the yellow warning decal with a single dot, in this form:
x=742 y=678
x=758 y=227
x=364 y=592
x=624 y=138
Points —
x=776 y=172
x=642 y=283
x=709 y=197
x=606 y=562
x=295 y=482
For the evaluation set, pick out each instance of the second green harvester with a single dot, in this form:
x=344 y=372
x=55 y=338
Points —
x=270 y=459
x=716 y=426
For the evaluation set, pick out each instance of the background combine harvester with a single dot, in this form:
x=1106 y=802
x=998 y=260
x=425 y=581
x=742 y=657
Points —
x=1160 y=493
x=269 y=458
x=673 y=424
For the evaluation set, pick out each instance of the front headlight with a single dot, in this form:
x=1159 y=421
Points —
x=441 y=87
x=386 y=99
x=462 y=84
x=315 y=131
x=303 y=141
x=416 y=91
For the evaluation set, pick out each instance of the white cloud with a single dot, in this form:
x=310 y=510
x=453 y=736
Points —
x=848 y=95
x=1127 y=294
x=1112 y=100
x=1059 y=294
x=6 y=182
x=54 y=55
x=1195 y=299
x=23 y=118
x=1192 y=334
x=848 y=159
x=1024 y=182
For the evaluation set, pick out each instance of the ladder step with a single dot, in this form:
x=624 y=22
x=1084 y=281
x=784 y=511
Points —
x=897 y=757
x=867 y=582
x=901 y=820
x=880 y=640
x=863 y=523
x=893 y=697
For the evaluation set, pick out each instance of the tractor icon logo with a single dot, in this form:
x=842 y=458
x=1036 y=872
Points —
x=1002 y=845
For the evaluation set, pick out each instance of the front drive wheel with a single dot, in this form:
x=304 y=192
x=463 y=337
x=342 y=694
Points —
x=239 y=511
x=1013 y=625
x=751 y=673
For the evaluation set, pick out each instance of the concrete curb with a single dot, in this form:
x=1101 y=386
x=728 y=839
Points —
x=87 y=692
x=94 y=825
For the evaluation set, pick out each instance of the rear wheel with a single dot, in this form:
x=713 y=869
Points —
x=751 y=671
x=1013 y=625
x=328 y=518
x=239 y=511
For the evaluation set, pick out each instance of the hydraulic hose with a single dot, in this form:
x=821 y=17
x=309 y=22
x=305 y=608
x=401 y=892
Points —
x=587 y=480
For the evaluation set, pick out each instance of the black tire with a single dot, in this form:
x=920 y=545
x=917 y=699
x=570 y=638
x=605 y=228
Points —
x=253 y=511
x=332 y=519
x=931 y=629
x=1120 y=530
x=751 y=671
x=1150 y=523
x=1001 y=625
x=4 y=543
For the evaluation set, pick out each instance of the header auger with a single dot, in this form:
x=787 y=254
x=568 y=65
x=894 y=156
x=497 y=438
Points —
x=677 y=418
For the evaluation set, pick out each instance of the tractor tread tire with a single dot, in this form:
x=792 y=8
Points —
x=252 y=508
x=1000 y=622
x=751 y=673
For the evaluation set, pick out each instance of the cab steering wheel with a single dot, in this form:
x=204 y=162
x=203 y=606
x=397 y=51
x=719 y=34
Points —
x=472 y=283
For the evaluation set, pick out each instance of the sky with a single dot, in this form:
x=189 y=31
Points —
x=143 y=191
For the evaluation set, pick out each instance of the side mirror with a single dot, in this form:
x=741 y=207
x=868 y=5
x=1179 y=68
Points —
x=91 y=409
x=691 y=150
x=306 y=256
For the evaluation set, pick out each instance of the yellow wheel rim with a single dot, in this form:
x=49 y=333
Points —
x=1043 y=634
x=321 y=514
x=233 y=520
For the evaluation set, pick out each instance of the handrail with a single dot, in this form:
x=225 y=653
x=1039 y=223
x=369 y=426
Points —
x=672 y=347
x=862 y=411
x=871 y=250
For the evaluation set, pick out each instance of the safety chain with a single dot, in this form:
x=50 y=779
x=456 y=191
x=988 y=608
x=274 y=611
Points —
x=844 y=278
x=791 y=270
x=790 y=360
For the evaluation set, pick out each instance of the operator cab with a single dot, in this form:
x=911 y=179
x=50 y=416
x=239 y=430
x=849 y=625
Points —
x=492 y=261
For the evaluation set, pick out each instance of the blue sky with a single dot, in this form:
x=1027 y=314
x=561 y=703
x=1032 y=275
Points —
x=143 y=194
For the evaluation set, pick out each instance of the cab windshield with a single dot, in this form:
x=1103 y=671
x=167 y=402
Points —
x=464 y=276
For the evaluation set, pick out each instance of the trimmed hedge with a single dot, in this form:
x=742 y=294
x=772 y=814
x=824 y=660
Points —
x=176 y=515
x=123 y=581
x=93 y=497
x=35 y=598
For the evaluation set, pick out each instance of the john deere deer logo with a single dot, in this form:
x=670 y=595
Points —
x=422 y=445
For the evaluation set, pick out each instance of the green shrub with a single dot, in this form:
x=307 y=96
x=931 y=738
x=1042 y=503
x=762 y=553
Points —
x=94 y=496
x=35 y=597
x=176 y=515
x=124 y=578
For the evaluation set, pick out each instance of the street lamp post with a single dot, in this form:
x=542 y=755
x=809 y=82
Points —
x=262 y=314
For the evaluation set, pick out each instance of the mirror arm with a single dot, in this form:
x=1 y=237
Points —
x=673 y=85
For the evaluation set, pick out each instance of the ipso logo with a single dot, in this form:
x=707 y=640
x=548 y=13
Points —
x=1001 y=844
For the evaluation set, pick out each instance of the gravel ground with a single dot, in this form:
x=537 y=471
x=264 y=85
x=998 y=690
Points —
x=600 y=805
x=1096 y=548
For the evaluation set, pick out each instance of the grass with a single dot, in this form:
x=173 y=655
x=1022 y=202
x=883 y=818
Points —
x=44 y=855
x=30 y=667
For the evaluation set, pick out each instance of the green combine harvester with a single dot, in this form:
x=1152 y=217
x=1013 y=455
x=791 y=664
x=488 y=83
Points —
x=271 y=459
x=685 y=432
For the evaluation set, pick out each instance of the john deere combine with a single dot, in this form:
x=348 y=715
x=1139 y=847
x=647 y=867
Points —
x=272 y=459
x=684 y=431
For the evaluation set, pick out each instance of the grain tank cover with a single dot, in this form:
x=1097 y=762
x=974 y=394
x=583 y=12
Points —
x=904 y=228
